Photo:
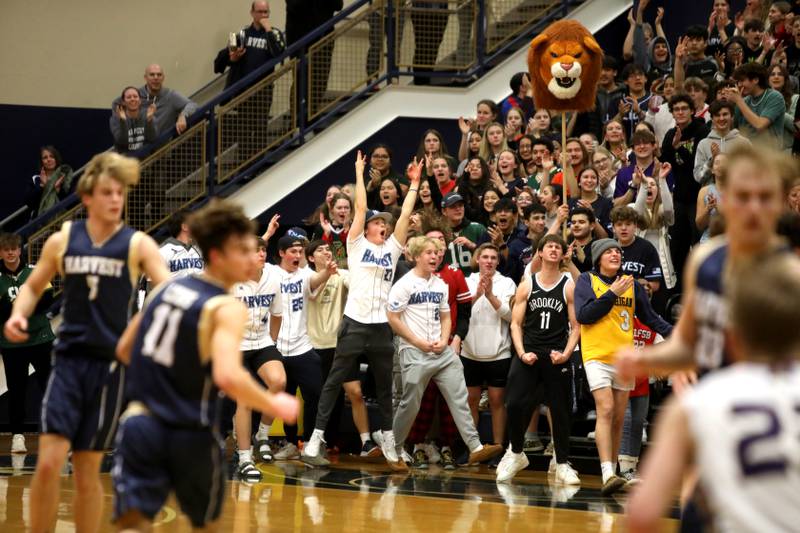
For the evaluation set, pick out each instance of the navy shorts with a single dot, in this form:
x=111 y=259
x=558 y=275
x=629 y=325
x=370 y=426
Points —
x=83 y=401
x=153 y=459
x=489 y=373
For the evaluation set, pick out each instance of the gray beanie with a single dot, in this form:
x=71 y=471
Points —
x=601 y=245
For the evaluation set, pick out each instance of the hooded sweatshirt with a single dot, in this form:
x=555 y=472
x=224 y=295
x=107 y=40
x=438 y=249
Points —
x=703 y=158
x=648 y=62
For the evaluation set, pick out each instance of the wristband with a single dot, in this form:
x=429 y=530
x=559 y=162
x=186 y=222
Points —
x=413 y=190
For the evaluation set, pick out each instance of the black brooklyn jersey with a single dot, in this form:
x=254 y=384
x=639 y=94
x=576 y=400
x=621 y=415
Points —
x=546 y=325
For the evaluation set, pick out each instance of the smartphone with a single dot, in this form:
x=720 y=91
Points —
x=232 y=41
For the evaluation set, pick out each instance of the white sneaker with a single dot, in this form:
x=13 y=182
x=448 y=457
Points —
x=405 y=457
x=510 y=465
x=287 y=453
x=377 y=438
x=389 y=447
x=18 y=444
x=590 y=435
x=567 y=475
x=311 y=451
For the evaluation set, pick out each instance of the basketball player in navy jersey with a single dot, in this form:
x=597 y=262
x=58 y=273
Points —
x=751 y=190
x=371 y=260
x=740 y=424
x=182 y=350
x=100 y=260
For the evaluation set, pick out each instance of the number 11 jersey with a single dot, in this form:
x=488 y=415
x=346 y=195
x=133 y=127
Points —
x=546 y=325
x=170 y=368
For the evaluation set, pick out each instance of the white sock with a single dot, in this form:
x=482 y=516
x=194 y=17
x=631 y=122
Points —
x=477 y=449
x=263 y=431
x=608 y=470
x=445 y=448
x=245 y=456
x=627 y=462
x=418 y=447
x=530 y=435
x=364 y=437
x=318 y=434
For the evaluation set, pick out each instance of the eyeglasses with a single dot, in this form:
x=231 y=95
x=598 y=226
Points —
x=681 y=109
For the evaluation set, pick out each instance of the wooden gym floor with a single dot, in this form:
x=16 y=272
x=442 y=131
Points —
x=352 y=495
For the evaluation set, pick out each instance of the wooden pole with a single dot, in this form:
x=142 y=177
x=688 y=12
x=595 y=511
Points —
x=563 y=169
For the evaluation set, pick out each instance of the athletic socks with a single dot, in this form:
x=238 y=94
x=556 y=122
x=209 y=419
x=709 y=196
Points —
x=364 y=437
x=531 y=435
x=245 y=456
x=608 y=470
x=627 y=463
x=263 y=431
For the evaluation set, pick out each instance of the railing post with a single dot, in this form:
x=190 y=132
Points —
x=301 y=102
x=212 y=157
x=391 y=28
x=480 y=37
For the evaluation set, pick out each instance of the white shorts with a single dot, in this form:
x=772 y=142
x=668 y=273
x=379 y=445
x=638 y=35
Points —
x=600 y=375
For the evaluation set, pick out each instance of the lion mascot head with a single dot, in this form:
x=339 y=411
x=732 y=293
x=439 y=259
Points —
x=564 y=62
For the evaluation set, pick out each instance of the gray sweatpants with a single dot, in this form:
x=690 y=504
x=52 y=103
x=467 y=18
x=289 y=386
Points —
x=417 y=369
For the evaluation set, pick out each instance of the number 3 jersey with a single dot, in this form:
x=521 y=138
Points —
x=170 y=368
x=99 y=289
x=744 y=421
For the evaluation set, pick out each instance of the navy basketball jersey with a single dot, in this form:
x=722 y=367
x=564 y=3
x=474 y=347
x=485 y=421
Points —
x=99 y=282
x=170 y=368
x=710 y=308
x=546 y=324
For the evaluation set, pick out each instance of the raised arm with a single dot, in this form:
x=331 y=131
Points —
x=413 y=172
x=360 y=203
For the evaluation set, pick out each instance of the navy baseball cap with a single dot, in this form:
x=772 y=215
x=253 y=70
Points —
x=298 y=233
x=372 y=214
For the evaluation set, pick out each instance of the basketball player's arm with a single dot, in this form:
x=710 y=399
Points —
x=16 y=326
x=518 y=316
x=676 y=352
x=151 y=262
x=359 y=202
x=229 y=374
x=662 y=470
x=125 y=343
x=413 y=172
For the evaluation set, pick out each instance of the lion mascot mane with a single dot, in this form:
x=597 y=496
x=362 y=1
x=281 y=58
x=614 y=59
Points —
x=564 y=62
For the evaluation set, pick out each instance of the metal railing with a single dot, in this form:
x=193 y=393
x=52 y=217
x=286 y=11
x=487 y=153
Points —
x=252 y=123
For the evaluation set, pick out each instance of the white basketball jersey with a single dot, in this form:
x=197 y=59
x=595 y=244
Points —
x=293 y=338
x=263 y=299
x=745 y=423
x=371 y=273
x=181 y=259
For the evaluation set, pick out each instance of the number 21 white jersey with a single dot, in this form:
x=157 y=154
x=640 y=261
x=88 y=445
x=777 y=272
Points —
x=745 y=423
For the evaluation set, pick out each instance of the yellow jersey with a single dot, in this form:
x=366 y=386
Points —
x=599 y=341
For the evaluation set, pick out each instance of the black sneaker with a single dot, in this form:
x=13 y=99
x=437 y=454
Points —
x=263 y=451
x=420 y=460
x=248 y=472
x=370 y=449
x=448 y=463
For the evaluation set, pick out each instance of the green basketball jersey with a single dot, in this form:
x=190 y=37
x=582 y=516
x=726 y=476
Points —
x=39 y=329
x=459 y=255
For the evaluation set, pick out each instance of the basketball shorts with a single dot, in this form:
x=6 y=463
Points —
x=255 y=359
x=600 y=375
x=83 y=401
x=153 y=459
x=489 y=373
